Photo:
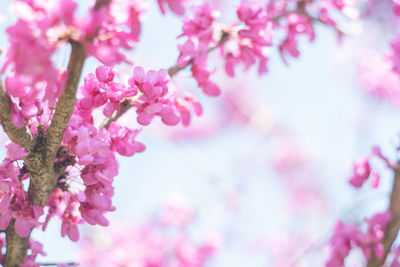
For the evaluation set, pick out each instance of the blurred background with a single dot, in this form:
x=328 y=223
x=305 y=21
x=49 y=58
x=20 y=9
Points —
x=265 y=169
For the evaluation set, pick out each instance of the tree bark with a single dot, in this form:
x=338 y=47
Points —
x=17 y=252
x=42 y=153
x=393 y=227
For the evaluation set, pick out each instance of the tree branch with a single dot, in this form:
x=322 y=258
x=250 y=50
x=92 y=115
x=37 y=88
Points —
x=21 y=136
x=393 y=227
x=39 y=163
x=100 y=3
x=16 y=247
x=56 y=264
x=66 y=104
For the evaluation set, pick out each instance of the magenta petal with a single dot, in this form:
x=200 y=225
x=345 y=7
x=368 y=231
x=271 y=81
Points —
x=22 y=227
x=176 y=6
x=101 y=73
x=73 y=233
x=5 y=203
x=170 y=119
x=108 y=109
x=211 y=89
x=5 y=219
x=144 y=118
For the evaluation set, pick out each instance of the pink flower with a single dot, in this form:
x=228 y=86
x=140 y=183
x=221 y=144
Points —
x=26 y=218
x=36 y=248
x=361 y=172
x=176 y=6
x=105 y=24
x=123 y=140
x=157 y=242
x=30 y=37
x=15 y=152
x=348 y=236
x=362 y=169
x=297 y=24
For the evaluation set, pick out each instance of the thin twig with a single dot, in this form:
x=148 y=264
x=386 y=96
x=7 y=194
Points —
x=59 y=263
x=172 y=71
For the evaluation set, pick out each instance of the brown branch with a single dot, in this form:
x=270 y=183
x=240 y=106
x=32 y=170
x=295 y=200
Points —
x=100 y=3
x=123 y=108
x=39 y=162
x=21 y=136
x=16 y=247
x=394 y=225
x=66 y=104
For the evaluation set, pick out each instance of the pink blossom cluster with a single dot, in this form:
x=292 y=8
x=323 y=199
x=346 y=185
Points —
x=248 y=41
x=199 y=32
x=161 y=242
x=156 y=99
x=253 y=41
x=297 y=24
x=14 y=202
x=362 y=169
x=91 y=150
x=111 y=27
x=377 y=78
x=396 y=7
x=348 y=236
x=100 y=90
x=36 y=84
x=35 y=249
x=84 y=193
x=33 y=79
x=65 y=206
x=394 y=56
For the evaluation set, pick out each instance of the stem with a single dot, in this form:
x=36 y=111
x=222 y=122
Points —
x=394 y=225
x=225 y=36
x=123 y=108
